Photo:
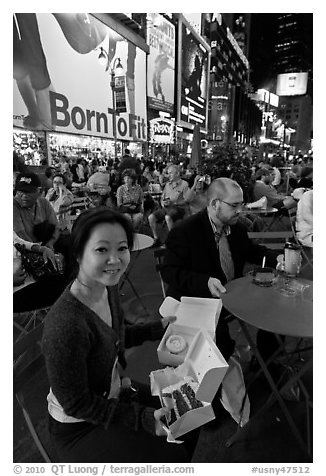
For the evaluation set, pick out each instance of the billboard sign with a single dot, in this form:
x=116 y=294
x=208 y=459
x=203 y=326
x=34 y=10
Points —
x=160 y=63
x=162 y=131
x=193 y=76
x=291 y=84
x=72 y=87
x=195 y=21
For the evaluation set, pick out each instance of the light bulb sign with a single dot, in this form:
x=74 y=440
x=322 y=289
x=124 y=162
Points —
x=162 y=131
x=73 y=87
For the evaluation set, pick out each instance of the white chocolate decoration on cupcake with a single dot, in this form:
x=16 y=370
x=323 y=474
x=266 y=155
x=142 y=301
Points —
x=175 y=344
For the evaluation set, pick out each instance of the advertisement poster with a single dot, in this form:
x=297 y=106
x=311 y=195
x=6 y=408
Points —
x=160 y=63
x=291 y=84
x=60 y=84
x=194 y=77
x=162 y=131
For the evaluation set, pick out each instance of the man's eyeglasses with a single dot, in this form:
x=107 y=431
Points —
x=233 y=205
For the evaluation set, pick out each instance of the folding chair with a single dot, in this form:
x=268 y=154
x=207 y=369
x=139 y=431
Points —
x=279 y=221
x=159 y=258
x=78 y=205
x=28 y=364
x=24 y=322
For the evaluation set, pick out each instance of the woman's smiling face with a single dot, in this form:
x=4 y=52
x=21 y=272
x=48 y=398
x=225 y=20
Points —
x=105 y=257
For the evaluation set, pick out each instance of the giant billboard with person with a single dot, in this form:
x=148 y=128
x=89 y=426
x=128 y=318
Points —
x=59 y=83
x=160 y=63
x=193 y=76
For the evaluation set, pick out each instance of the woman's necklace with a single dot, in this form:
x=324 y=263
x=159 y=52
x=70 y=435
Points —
x=99 y=306
x=83 y=291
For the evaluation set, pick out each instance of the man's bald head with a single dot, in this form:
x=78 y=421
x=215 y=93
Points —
x=221 y=188
x=224 y=201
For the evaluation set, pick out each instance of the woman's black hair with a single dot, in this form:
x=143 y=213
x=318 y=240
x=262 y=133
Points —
x=84 y=225
x=48 y=172
x=61 y=176
x=129 y=173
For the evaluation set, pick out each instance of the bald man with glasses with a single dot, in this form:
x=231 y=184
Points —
x=210 y=248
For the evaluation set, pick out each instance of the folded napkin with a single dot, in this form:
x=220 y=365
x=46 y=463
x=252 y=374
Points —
x=261 y=203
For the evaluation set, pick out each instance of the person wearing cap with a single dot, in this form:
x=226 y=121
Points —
x=34 y=219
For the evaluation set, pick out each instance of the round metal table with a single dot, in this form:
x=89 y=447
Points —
x=266 y=308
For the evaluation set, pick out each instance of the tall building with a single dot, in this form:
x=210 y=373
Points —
x=293 y=43
x=293 y=57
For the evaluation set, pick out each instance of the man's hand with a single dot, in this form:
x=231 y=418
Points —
x=215 y=287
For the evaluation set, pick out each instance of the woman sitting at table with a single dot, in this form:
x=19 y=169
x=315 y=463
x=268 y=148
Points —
x=95 y=416
x=61 y=200
x=130 y=198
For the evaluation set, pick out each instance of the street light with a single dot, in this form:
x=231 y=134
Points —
x=116 y=67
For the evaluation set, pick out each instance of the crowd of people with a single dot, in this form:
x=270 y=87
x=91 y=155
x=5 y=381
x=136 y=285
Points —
x=96 y=414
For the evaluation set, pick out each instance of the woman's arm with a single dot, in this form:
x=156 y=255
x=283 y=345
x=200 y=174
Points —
x=119 y=196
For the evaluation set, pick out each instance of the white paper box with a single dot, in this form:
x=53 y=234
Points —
x=192 y=314
x=206 y=365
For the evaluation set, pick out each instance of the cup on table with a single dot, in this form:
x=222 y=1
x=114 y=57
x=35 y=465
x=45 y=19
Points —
x=292 y=259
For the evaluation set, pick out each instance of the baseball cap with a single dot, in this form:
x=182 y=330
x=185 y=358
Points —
x=28 y=182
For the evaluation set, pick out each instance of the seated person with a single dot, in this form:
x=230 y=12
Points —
x=94 y=413
x=48 y=181
x=99 y=181
x=196 y=196
x=34 y=219
x=130 y=198
x=304 y=219
x=61 y=200
x=173 y=203
x=263 y=187
x=150 y=173
x=210 y=248
x=306 y=178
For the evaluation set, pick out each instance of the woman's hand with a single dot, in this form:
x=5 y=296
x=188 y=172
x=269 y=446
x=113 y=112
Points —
x=160 y=427
x=167 y=320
